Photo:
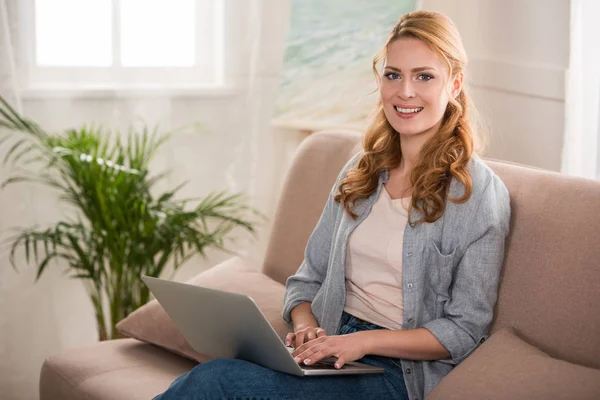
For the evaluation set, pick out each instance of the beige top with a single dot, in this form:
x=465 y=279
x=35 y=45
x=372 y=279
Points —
x=374 y=264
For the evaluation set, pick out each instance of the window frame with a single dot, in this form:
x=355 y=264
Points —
x=208 y=70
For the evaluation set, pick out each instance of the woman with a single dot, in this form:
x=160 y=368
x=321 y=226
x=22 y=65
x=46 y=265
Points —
x=402 y=269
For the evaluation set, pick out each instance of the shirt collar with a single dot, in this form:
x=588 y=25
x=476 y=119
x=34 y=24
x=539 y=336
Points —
x=383 y=176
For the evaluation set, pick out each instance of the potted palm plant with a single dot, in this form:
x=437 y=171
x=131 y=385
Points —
x=120 y=230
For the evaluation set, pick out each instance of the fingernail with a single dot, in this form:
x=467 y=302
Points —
x=297 y=359
x=307 y=361
x=337 y=365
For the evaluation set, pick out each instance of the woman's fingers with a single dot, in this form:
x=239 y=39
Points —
x=299 y=339
x=308 y=348
x=289 y=339
x=345 y=348
x=305 y=335
x=313 y=355
x=340 y=362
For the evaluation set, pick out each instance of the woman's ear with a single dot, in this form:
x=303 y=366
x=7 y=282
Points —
x=457 y=83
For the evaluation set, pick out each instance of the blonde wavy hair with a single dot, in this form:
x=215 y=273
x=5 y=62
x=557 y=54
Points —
x=442 y=157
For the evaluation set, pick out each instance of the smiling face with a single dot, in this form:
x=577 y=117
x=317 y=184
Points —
x=414 y=88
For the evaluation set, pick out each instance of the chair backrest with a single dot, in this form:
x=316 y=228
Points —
x=316 y=165
x=550 y=289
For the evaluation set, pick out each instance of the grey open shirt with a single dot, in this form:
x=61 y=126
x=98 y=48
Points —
x=450 y=269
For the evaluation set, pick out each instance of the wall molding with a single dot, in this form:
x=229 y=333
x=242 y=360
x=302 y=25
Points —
x=532 y=80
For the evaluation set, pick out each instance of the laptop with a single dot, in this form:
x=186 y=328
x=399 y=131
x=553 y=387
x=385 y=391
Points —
x=230 y=325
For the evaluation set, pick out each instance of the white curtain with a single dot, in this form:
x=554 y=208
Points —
x=233 y=150
x=9 y=90
x=581 y=148
x=8 y=77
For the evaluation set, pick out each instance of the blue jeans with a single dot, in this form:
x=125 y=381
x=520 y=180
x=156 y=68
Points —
x=238 y=379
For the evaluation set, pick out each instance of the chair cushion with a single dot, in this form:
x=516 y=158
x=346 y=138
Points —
x=150 y=323
x=506 y=367
x=122 y=369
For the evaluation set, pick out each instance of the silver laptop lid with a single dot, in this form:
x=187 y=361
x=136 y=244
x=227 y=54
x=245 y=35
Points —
x=222 y=324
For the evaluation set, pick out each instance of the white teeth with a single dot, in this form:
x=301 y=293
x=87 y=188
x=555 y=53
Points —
x=408 y=110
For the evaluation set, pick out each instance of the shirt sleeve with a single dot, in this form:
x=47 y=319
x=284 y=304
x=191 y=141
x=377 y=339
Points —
x=306 y=282
x=469 y=310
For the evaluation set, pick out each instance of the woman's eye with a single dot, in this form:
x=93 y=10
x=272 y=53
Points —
x=425 y=77
x=392 y=75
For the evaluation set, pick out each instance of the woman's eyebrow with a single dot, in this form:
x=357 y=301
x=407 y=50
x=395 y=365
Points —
x=418 y=69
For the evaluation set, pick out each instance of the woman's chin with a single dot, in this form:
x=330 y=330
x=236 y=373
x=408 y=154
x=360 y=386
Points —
x=408 y=131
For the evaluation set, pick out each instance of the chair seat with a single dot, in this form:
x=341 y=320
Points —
x=123 y=369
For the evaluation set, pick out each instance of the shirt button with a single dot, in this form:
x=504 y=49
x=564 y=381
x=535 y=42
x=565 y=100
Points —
x=409 y=285
x=408 y=371
x=409 y=254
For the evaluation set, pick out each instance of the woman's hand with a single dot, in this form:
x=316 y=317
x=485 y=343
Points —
x=346 y=348
x=303 y=335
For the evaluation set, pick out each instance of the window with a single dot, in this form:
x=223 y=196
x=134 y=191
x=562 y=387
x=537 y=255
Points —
x=122 y=43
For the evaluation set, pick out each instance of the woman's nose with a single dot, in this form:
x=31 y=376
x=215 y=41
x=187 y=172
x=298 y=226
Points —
x=405 y=90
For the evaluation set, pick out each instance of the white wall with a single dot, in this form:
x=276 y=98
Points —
x=519 y=54
x=235 y=151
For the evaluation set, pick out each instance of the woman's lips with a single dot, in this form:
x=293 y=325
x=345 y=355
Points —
x=407 y=115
